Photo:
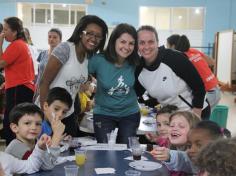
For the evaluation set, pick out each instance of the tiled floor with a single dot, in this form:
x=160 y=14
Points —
x=228 y=99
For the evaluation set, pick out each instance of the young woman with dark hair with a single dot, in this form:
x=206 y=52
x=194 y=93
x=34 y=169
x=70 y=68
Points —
x=18 y=66
x=67 y=65
x=115 y=99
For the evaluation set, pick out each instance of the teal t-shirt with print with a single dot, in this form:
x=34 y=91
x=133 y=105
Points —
x=115 y=95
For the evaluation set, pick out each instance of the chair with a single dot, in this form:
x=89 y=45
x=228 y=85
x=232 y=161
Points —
x=220 y=115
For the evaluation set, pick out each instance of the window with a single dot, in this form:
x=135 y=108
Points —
x=180 y=18
x=163 y=18
x=61 y=14
x=197 y=18
x=173 y=18
x=72 y=17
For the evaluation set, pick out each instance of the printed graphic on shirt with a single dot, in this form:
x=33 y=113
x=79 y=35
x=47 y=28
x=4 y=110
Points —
x=121 y=87
x=74 y=83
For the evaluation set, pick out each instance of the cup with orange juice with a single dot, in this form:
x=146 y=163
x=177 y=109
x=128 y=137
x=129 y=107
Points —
x=80 y=156
x=144 y=110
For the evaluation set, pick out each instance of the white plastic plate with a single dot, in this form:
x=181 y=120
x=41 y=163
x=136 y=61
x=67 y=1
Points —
x=145 y=165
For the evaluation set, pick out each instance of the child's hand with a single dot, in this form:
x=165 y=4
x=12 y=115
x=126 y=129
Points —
x=151 y=137
x=58 y=129
x=2 y=35
x=43 y=141
x=198 y=112
x=89 y=106
x=67 y=137
x=161 y=153
x=1 y=171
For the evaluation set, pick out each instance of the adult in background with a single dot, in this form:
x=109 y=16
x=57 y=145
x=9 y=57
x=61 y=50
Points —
x=198 y=59
x=33 y=50
x=1 y=27
x=18 y=66
x=116 y=103
x=54 y=38
x=168 y=75
x=67 y=65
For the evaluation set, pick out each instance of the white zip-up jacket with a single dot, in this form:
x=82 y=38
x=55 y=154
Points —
x=172 y=80
x=12 y=165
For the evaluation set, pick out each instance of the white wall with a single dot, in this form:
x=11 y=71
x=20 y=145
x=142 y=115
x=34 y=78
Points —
x=39 y=35
x=195 y=37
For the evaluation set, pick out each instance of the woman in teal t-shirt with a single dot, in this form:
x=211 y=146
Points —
x=116 y=103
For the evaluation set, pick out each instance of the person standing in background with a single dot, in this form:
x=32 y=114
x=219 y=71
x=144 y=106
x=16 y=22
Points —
x=33 y=50
x=198 y=59
x=1 y=27
x=19 y=70
x=54 y=38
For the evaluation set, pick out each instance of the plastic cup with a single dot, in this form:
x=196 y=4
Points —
x=111 y=138
x=137 y=153
x=133 y=142
x=74 y=144
x=71 y=170
x=144 y=111
x=149 y=147
x=132 y=173
x=55 y=151
x=80 y=157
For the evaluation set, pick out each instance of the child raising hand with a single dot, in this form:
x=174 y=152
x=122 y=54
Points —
x=11 y=165
x=58 y=129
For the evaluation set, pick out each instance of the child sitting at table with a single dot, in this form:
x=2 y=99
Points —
x=163 y=124
x=25 y=122
x=57 y=104
x=218 y=158
x=86 y=93
x=180 y=124
x=198 y=137
x=11 y=165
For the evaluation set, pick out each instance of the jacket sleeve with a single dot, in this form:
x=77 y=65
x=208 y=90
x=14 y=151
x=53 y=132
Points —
x=31 y=165
x=49 y=160
x=139 y=89
x=183 y=68
x=179 y=161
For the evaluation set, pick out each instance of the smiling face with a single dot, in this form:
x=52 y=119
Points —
x=56 y=108
x=197 y=139
x=28 y=127
x=179 y=128
x=124 y=45
x=53 y=39
x=147 y=45
x=163 y=124
x=91 y=37
x=9 y=34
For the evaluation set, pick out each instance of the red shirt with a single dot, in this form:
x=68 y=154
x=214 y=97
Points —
x=27 y=155
x=208 y=78
x=19 y=69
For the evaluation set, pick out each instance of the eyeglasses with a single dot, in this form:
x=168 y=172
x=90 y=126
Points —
x=91 y=34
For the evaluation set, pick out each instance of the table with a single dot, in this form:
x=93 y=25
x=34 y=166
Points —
x=101 y=159
x=86 y=125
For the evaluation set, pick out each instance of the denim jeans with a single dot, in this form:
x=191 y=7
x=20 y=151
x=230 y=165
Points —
x=127 y=126
x=213 y=96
